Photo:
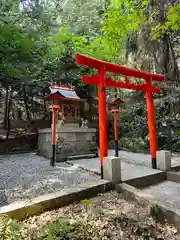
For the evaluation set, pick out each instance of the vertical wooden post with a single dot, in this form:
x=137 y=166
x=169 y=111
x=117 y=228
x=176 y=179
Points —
x=53 y=159
x=102 y=119
x=151 y=124
x=116 y=133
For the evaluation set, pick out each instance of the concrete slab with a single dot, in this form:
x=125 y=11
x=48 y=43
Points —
x=167 y=197
x=134 y=158
x=22 y=210
x=129 y=171
x=166 y=192
x=162 y=198
x=142 y=158
x=173 y=176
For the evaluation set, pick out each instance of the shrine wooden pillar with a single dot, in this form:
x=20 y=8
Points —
x=102 y=119
x=151 y=123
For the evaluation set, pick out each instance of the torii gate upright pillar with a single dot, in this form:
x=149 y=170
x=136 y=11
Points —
x=151 y=124
x=102 y=119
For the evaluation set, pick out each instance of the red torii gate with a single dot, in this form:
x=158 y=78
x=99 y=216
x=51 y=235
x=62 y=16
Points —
x=104 y=82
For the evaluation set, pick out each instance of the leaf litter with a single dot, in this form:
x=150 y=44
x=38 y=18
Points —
x=107 y=216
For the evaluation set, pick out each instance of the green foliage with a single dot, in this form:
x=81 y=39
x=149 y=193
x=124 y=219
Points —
x=172 y=23
x=63 y=228
x=21 y=43
x=9 y=229
x=173 y=18
x=83 y=17
x=87 y=203
x=126 y=18
x=65 y=41
x=70 y=230
x=122 y=18
x=135 y=144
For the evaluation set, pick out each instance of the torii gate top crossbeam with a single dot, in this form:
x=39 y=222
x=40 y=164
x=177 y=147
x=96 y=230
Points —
x=116 y=68
x=112 y=83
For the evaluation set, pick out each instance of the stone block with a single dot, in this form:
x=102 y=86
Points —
x=69 y=142
x=112 y=169
x=163 y=160
x=89 y=136
x=80 y=137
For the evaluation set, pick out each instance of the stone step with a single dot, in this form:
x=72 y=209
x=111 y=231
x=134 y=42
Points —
x=167 y=193
x=163 y=199
x=85 y=156
x=173 y=176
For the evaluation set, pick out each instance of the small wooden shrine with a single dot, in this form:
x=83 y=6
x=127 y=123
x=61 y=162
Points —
x=69 y=102
x=67 y=137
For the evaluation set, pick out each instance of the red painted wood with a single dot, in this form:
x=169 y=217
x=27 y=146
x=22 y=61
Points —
x=102 y=117
x=131 y=86
x=112 y=83
x=54 y=126
x=115 y=68
x=54 y=108
x=151 y=122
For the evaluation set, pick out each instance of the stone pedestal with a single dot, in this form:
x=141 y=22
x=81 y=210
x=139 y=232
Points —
x=112 y=169
x=69 y=142
x=163 y=160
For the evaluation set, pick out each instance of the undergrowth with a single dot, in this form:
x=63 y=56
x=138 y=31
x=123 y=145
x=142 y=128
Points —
x=64 y=229
x=9 y=228
x=61 y=229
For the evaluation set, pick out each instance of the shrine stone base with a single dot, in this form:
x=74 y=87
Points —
x=69 y=142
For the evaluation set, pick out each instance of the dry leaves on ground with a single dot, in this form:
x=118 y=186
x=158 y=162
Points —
x=107 y=216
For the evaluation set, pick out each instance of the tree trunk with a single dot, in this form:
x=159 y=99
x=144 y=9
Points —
x=176 y=75
x=6 y=107
x=8 y=114
x=90 y=113
x=165 y=55
x=115 y=93
x=26 y=103
x=91 y=93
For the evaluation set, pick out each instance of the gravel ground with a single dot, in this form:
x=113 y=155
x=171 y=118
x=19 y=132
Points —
x=108 y=216
x=23 y=176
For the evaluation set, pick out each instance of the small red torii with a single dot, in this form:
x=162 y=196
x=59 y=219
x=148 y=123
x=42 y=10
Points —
x=104 y=82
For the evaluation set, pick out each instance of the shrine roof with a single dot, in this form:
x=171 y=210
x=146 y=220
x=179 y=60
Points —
x=67 y=94
x=64 y=91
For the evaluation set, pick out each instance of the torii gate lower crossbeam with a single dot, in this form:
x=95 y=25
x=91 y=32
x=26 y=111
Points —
x=104 y=82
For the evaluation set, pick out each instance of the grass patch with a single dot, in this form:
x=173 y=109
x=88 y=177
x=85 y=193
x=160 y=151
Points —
x=65 y=229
